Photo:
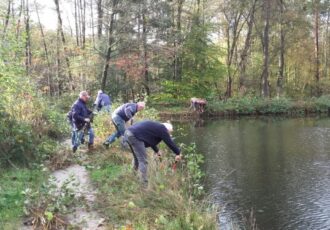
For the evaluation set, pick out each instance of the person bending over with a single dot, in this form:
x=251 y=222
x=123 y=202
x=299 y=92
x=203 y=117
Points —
x=149 y=134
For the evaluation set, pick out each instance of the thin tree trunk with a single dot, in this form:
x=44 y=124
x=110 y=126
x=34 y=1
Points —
x=92 y=22
x=326 y=45
x=145 y=52
x=316 y=47
x=265 y=72
x=18 y=26
x=110 y=43
x=58 y=63
x=178 y=41
x=99 y=19
x=76 y=21
x=280 y=79
x=60 y=28
x=28 y=55
x=6 y=20
x=83 y=22
x=49 y=75
x=245 y=51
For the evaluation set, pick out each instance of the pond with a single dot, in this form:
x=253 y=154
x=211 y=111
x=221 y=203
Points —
x=278 y=169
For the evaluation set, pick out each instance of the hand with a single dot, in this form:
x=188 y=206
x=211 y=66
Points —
x=159 y=154
x=87 y=120
x=178 y=157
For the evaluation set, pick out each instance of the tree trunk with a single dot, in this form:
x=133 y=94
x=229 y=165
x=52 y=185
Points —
x=246 y=49
x=6 y=20
x=178 y=42
x=58 y=64
x=326 y=45
x=110 y=44
x=60 y=28
x=28 y=55
x=316 y=47
x=18 y=25
x=99 y=19
x=83 y=22
x=76 y=21
x=265 y=43
x=49 y=74
x=145 y=52
x=92 y=22
x=280 y=79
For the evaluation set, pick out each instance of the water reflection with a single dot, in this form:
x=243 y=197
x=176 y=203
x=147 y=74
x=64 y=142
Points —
x=280 y=168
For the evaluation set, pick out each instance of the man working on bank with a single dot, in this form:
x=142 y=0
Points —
x=119 y=117
x=149 y=134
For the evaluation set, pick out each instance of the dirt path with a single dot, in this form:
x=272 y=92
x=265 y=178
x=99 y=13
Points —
x=84 y=216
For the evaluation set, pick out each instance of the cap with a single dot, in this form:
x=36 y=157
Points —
x=99 y=92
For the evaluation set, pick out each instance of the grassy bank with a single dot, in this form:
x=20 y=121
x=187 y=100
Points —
x=172 y=200
x=169 y=202
x=13 y=183
x=250 y=106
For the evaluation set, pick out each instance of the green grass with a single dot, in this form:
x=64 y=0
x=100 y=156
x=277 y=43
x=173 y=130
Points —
x=167 y=203
x=12 y=183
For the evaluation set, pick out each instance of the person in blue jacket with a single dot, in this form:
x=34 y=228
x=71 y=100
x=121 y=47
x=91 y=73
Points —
x=80 y=118
x=102 y=102
x=120 y=116
x=149 y=134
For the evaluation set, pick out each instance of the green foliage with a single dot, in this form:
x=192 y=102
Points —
x=322 y=103
x=12 y=183
x=49 y=202
x=194 y=174
x=252 y=105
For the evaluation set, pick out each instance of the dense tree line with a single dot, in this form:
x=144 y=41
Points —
x=174 y=49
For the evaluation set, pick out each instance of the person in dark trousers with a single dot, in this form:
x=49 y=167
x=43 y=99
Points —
x=80 y=117
x=120 y=116
x=149 y=134
x=102 y=102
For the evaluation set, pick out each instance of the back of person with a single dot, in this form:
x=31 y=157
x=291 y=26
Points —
x=126 y=111
x=105 y=99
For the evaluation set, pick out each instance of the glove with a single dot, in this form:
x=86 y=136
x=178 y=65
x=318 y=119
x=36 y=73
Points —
x=87 y=120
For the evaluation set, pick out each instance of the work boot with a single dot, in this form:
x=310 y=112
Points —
x=106 y=144
x=74 y=149
x=90 y=147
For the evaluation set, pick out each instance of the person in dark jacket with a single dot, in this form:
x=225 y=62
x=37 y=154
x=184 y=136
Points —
x=149 y=134
x=81 y=119
x=102 y=102
x=120 y=116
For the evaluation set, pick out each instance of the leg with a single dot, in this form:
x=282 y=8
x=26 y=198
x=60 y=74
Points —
x=91 y=136
x=140 y=156
x=120 y=129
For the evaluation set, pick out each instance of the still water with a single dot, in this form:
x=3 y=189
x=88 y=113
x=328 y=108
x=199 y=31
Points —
x=277 y=168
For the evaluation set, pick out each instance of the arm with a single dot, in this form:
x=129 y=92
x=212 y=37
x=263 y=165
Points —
x=169 y=142
x=130 y=111
x=155 y=148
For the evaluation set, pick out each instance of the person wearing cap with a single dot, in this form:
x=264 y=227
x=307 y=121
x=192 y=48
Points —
x=80 y=117
x=119 y=117
x=149 y=134
x=102 y=102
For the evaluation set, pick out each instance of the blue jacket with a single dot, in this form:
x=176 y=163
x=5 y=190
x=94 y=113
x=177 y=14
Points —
x=79 y=113
x=126 y=111
x=102 y=99
x=151 y=133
